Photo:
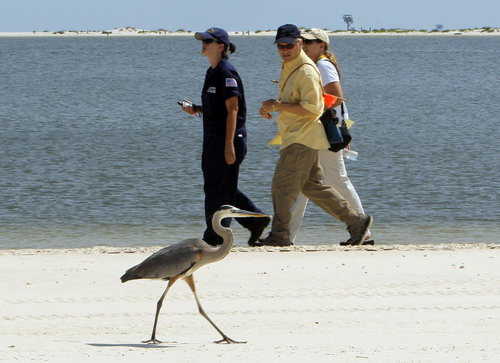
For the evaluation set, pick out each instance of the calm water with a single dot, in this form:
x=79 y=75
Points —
x=94 y=149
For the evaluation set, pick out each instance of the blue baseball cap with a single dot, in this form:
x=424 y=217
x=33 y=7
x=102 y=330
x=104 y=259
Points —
x=287 y=33
x=214 y=33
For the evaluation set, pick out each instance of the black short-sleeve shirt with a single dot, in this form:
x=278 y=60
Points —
x=221 y=83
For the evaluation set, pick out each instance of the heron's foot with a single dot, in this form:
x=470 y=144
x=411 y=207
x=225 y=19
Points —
x=228 y=340
x=152 y=341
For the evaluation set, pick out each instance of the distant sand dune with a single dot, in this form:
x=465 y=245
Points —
x=128 y=31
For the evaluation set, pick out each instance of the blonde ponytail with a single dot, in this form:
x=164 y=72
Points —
x=331 y=58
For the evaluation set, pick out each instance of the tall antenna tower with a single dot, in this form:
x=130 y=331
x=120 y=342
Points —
x=348 y=20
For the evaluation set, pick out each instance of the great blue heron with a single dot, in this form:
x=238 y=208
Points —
x=182 y=259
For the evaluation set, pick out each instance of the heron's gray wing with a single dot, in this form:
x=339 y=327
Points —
x=171 y=261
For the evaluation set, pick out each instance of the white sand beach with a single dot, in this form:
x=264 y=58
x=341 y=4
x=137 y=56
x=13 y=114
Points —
x=386 y=303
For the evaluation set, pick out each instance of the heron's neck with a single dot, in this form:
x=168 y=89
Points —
x=227 y=239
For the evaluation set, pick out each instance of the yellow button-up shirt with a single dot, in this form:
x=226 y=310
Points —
x=304 y=87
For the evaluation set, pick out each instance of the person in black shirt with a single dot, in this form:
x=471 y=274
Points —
x=224 y=135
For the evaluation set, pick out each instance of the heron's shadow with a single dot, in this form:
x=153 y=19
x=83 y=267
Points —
x=134 y=345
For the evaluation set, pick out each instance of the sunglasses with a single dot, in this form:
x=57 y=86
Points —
x=287 y=46
x=311 y=41
x=207 y=41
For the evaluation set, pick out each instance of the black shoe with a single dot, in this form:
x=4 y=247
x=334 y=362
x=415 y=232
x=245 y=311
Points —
x=369 y=242
x=270 y=240
x=257 y=231
x=359 y=229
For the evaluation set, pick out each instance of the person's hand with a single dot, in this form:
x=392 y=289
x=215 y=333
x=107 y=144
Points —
x=264 y=114
x=188 y=109
x=267 y=107
x=230 y=154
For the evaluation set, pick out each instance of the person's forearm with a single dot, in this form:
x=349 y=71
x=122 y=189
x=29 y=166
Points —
x=278 y=106
x=231 y=126
x=295 y=108
x=335 y=89
x=232 y=114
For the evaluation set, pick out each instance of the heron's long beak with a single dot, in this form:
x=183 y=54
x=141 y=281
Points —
x=245 y=213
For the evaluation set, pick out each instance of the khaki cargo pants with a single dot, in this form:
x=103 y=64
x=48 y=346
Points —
x=298 y=171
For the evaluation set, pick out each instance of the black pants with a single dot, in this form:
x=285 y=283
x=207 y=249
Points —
x=221 y=185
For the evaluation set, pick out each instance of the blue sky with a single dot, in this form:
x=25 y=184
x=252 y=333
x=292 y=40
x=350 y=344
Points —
x=236 y=15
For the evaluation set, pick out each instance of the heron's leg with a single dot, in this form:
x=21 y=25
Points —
x=190 y=281
x=153 y=339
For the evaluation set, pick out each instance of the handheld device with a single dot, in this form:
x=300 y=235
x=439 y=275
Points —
x=185 y=103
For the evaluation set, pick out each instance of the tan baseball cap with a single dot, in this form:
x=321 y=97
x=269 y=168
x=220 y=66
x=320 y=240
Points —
x=315 y=33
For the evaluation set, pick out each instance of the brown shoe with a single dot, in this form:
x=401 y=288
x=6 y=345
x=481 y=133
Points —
x=358 y=230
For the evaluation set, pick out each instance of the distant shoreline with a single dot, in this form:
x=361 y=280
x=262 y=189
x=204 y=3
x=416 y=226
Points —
x=133 y=32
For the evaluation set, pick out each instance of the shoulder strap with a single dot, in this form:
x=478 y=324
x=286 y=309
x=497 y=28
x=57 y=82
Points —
x=287 y=78
x=296 y=69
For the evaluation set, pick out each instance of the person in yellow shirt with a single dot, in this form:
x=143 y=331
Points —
x=301 y=135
